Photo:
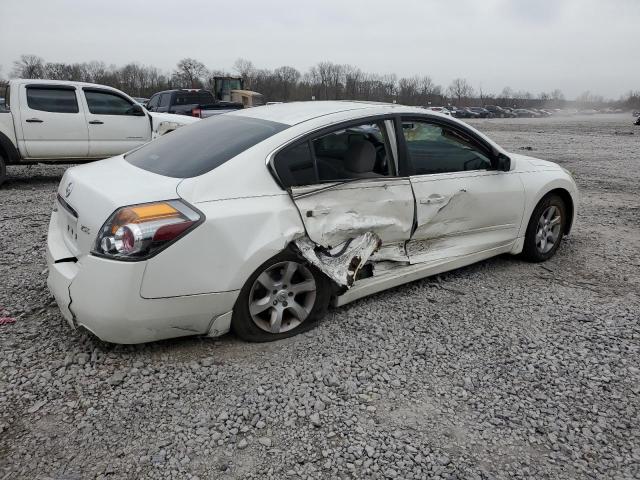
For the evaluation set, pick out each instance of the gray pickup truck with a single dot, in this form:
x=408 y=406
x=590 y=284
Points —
x=195 y=102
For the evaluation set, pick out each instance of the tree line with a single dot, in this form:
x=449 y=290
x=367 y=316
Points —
x=323 y=81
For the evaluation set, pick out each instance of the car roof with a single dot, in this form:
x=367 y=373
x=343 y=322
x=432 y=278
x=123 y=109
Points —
x=297 y=112
x=58 y=82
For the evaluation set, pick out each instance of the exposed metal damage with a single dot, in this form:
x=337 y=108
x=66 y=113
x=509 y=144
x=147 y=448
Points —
x=342 y=263
x=334 y=215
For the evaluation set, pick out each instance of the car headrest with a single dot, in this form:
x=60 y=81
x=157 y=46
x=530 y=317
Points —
x=360 y=157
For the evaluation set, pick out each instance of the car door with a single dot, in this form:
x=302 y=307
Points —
x=53 y=124
x=343 y=181
x=116 y=124
x=463 y=204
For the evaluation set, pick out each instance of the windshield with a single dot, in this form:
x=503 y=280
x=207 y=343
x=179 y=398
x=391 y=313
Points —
x=202 y=146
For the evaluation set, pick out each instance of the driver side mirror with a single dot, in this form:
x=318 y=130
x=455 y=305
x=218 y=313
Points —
x=502 y=162
x=136 y=110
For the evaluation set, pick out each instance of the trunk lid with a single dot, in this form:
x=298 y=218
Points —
x=89 y=194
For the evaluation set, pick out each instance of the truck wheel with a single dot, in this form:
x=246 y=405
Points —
x=3 y=170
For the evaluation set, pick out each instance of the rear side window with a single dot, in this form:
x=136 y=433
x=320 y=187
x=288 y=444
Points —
x=105 y=103
x=200 y=147
x=295 y=166
x=189 y=98
x=52 y=100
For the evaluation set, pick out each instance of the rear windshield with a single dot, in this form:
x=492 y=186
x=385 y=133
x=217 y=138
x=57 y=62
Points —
x=188 y=98
x=202 y=146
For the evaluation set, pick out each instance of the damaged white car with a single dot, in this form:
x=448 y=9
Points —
x=258 y=220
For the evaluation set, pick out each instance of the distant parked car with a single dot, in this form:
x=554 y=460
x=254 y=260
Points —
x=462 y=112
x=482 y=112
x=540 y=112
x=442 y=110
x=141 y=101
x=498 y=112
x=471 y=113
x=524 y=113
x=195 y=102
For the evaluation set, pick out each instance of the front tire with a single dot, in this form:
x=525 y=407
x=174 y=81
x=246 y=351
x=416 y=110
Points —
x=545 y=229
x=283 y=297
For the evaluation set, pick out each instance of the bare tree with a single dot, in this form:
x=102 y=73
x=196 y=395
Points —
x=246 y=70
x=460 y=88
x=288 y=78
x=190 y=73
x=29 y=66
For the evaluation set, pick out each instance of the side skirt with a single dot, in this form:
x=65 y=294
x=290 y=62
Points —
x=368 y=286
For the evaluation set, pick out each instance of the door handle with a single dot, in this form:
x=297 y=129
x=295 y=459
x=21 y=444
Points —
x=33 y=120
x=318 y=212
x=432 y=199
x=96 y=122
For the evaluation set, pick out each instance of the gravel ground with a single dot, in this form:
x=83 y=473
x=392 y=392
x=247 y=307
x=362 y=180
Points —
x=499 y=370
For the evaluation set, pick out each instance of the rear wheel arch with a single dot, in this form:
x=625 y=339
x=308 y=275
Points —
x=246 y=328
x=8 y=150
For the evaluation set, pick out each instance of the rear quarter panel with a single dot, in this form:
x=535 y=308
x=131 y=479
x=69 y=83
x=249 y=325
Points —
x=219 y=255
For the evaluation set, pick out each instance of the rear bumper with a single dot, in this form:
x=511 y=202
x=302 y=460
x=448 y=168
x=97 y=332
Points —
x=103 y=296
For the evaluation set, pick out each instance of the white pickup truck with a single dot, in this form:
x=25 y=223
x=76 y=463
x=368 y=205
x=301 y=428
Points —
x=48 y=121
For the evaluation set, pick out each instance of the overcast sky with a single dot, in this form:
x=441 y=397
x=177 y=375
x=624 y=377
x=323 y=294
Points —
x=534 y=45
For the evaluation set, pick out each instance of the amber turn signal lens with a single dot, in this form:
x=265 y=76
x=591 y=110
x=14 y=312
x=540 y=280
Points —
x=144 y=213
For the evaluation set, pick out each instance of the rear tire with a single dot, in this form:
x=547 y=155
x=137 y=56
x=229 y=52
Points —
x=545 y=229
x=3 y=170
x=283 y=297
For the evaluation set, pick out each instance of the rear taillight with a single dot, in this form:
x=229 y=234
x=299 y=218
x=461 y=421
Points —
x=196 y=112
x=140 y=231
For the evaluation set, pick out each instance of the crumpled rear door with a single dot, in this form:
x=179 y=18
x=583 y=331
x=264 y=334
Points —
x=335 y=213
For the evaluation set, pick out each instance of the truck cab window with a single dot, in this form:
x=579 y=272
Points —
x=106 y=103
x=52 y=100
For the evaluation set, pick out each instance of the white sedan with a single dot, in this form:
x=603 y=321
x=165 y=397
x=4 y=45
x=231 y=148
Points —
x=258 y=220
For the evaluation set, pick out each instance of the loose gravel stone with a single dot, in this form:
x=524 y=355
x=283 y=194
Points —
x=500 y=370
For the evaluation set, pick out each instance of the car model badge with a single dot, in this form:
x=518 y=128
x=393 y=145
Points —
x=68 y=190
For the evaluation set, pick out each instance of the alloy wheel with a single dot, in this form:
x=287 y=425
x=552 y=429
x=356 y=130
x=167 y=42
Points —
x=548 y=230
x=282 y=297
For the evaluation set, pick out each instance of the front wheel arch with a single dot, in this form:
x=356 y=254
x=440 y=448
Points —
x=568 y=202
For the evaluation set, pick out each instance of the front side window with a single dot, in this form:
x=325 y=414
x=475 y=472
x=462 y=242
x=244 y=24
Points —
x=153 y=103
x=57 y=100
x=203 y=146
x=165 y=99
x=438 y=149
x=105 y=103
